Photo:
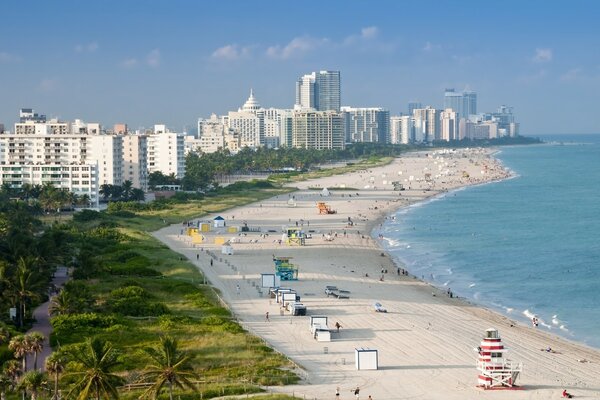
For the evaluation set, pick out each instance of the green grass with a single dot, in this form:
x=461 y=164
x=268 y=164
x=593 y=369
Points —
x=222 y=352
x=153 y=220
x=322 y=173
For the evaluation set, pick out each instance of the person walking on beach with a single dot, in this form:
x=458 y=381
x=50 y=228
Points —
x=337 y=392
x=337 y=327
x=356 y=392
x=267 y=316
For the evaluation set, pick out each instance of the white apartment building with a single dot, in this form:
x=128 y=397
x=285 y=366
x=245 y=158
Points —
x=211 y=136
x=135 y=162
x=318 y=130
x=48 y=152
x=107 y=152
x=166 y=153
x=449 y=125
x=367 y=125
x=249 y=123
x=402 y=129
x=427 y=124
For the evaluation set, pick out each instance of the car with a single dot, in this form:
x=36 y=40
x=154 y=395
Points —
x=379 y=308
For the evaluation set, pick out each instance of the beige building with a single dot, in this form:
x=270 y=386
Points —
x=318 y=130
x=135 y=162
x=449 y=125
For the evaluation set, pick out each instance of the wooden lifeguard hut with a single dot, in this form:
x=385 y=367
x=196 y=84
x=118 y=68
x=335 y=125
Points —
x=496 y=371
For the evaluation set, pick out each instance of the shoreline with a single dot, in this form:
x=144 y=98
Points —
x=420 y=336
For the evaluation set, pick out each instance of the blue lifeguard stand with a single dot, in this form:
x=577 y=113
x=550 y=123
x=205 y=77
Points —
x=284 y=269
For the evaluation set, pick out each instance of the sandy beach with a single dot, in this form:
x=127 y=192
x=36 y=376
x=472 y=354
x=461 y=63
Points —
x=426 y=341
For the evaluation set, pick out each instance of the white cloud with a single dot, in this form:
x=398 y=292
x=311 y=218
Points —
x=153 y=58
x=86 y=48
x=129 y=63
x=8 y=58
x=48 y=84
x=542 y=55
x=431 y=47
x=369 y=32
x=296 y=47
x=230 y=52
x=571 y=74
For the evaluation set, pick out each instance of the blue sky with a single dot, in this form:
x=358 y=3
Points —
x=146 y=62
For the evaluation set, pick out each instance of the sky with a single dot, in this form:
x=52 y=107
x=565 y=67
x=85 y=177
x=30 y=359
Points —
x=172 y=62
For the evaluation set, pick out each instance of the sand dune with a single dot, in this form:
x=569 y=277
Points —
x=425 y=342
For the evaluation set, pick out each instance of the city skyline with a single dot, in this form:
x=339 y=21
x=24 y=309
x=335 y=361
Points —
x=175 y=62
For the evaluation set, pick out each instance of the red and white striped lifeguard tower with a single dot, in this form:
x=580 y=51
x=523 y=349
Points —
x=495 y=371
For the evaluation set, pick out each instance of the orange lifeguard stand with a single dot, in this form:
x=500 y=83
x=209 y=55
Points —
x=324 y=208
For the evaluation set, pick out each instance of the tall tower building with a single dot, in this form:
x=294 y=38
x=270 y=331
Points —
x=464 y=103
x=319 y=91
x=427 y=124
x=413 y=105
x=305 y=92
x=449 y=125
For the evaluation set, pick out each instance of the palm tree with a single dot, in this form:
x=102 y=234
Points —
x=4 y=334
x=62 y=303
x=5 y=384
x=127 y=187
x=25 y=284
x=36 y=345
x=19 y=345
x=169 y=367
x=12 y=369
x=97 y=359
x=34 y=382
x=55 y=365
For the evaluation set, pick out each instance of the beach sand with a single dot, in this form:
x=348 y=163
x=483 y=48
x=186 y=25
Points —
x=426 y=341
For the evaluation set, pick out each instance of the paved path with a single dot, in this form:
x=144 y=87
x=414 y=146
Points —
x=42 y=320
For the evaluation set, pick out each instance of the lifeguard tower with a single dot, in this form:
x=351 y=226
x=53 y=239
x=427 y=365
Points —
x=196 y=236
x=295 y=236
x=496 y=371
x=324 y=208
x=284 y=269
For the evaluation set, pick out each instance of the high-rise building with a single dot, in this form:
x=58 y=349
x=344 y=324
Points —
x=211 y=136
x=319 y=91
x=413 y=105
x=135 y=162
x=166 y=152
x=427 y=124
x=120 y=129
x=464 y=103
x=318 y=130
x=305 y=92
x=107 y=151
x=366 y=124
x=249 y=123
x=469 y=103
x=27 y=114
x=449 y=125
x=402 y=129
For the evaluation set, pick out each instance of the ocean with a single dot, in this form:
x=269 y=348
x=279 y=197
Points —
x=525 y=246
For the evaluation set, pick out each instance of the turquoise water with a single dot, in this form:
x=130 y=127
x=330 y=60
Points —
x=524 y=246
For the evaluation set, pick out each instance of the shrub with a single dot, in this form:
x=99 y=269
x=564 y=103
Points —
x=136 y=302
x=86 y=216
x=68 y=323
